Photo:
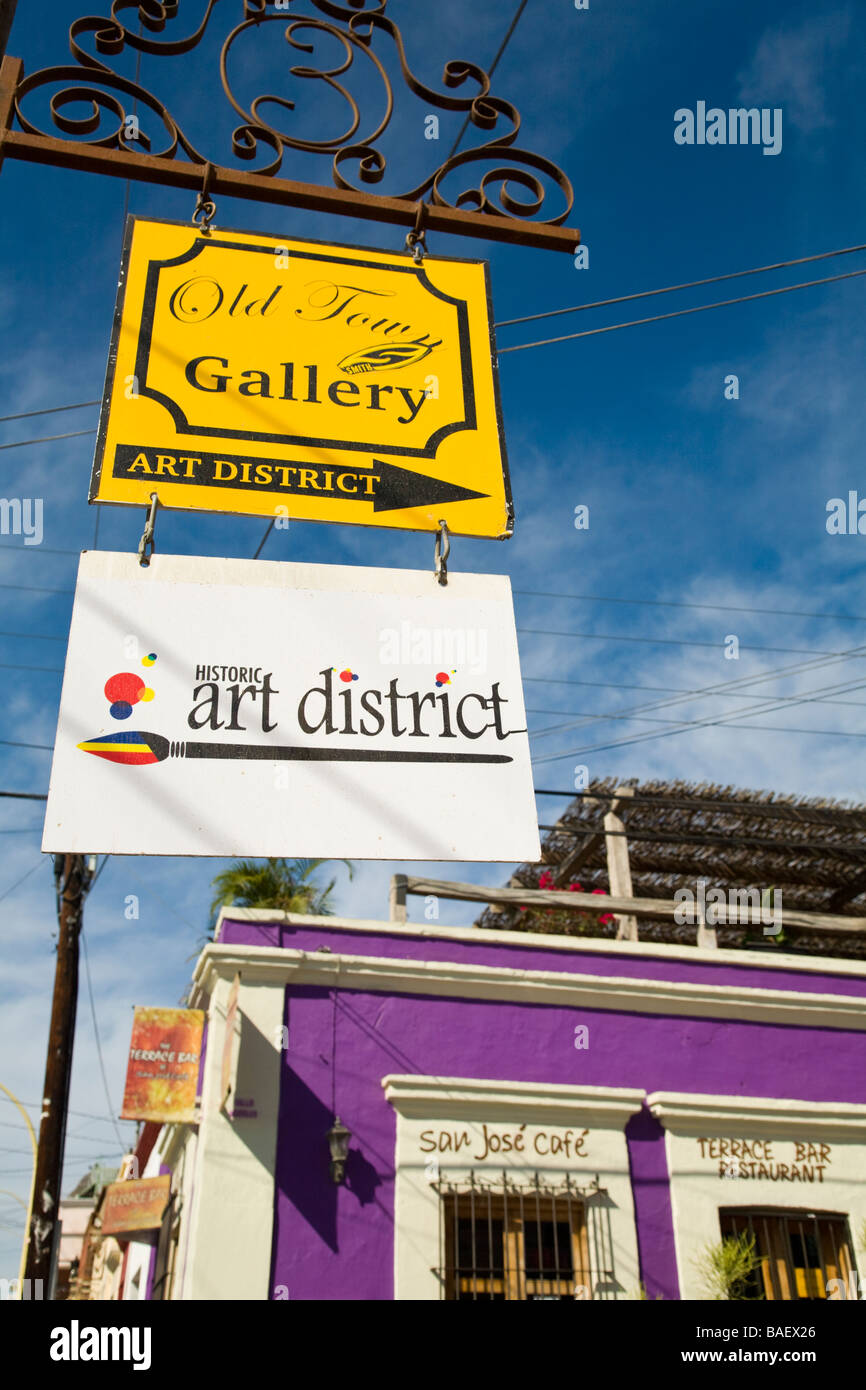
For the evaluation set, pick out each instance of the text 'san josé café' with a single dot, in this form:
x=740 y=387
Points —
x=506 y=1111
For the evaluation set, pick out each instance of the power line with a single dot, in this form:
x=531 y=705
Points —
x=49 y=410
x=42 y=549
x=27 y=796
x=673 y=603
x=98 y=874
x=10 y=743
x=648 y=719
x=491 y=70
x=79 y=1114
x=24 y=877
x=709 y=722
x=785 y=810
x=33 y=636
x=761 y=707
x=47 y=439
x=150 y=888
x=118 y=1135
x=270 y=528
x=672 y=641
x=7 y=1149
x=669 y=690
x=678 y=313
x=671 y=289
x=722 y=687
x=36 y=588
x=13 y=666
x=541 y=593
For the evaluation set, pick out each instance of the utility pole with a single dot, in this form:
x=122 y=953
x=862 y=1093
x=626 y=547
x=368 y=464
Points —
x=73 y=879
x=7 y=14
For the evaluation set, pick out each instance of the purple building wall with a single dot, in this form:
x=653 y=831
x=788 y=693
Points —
x=335 y=1242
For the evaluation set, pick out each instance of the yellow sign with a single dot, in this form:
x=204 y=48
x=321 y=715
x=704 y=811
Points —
x=299 y=380
x=137 y=1205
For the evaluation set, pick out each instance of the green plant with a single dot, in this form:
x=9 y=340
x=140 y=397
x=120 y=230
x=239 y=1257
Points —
x=642 y=1295
x=726 y=1268
x=282 y=884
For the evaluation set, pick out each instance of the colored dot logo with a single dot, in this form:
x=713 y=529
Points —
x=124 y=690
x=444 y=678
x=346 y=675
x=149 y=660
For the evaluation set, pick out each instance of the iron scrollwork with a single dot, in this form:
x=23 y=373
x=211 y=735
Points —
x=514 y=190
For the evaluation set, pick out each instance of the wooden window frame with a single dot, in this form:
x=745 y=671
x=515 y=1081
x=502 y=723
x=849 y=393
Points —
x=783 y=1281
x=510 y=1212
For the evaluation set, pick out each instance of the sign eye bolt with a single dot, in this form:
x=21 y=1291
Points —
x=205 y=208
x=416 y=240
x=441 y=551
x=147 y=544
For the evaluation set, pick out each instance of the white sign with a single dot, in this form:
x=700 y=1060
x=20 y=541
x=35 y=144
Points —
x=234 y=707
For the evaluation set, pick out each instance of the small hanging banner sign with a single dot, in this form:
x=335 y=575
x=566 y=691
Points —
x=136 y=1205
x=297 y=379
x=290 y=709
x=162 y=1070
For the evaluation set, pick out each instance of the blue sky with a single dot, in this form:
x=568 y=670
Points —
x=693 y=498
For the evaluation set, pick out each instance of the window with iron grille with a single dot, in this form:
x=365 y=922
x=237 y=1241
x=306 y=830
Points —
x=505 y=1241
x=800 y=1251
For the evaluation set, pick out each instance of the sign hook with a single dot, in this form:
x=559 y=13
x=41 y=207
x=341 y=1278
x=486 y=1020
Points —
x=147 y=544
x=416 y=240
x=205 y=208
x=441 y=551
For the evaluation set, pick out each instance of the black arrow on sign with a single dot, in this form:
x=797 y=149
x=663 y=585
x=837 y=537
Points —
x=397 y=489
x=387 y=486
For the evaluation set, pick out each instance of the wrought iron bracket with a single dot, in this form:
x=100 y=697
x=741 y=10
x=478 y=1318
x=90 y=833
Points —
x=507 y=203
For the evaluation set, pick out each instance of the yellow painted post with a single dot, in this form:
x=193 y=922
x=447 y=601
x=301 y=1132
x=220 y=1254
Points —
x=16 y=1102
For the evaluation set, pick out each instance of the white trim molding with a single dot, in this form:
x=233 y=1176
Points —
x=433 y=1097
x=544 y=941
x=681 y=1111
x=391 y=975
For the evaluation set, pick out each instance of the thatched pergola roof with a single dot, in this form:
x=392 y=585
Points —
x=812 y=849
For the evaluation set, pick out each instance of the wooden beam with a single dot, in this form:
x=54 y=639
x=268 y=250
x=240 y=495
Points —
x=397 y=902
x=662 y=908
x=578 y=855
x=618 y=870
x=706 y=933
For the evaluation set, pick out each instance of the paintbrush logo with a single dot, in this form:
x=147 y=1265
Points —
x=140 y=749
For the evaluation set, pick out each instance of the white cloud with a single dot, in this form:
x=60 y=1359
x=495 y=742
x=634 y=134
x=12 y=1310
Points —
x=790 y=65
